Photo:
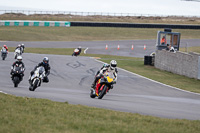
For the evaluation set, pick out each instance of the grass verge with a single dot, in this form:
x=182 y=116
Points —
x=21 y=114
x=135 y=65
x=191 y=49
x=84 y=33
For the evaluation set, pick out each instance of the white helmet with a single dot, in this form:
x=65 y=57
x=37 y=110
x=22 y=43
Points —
x=19 y=45
x=113 y=64
x=22 y=44
x=19 y=58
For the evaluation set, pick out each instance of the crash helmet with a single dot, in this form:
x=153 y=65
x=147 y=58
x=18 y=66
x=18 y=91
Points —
x=22 y=44
x=113 y=64
x=4 y=46
x=19 y=45
x=45 y=60
x=106 y=65
x=19 y=58
x=79 y=47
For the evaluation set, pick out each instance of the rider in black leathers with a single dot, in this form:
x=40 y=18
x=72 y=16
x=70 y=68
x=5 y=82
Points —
x=45 y=64
x=18 y=63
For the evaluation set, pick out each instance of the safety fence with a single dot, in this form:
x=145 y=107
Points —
x=32 y=12
x=34 y=23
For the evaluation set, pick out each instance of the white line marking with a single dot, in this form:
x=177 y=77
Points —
x=153 y=80
x=3 y=92
x=85 y=50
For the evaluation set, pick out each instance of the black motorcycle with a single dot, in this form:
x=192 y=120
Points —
x=17 y=75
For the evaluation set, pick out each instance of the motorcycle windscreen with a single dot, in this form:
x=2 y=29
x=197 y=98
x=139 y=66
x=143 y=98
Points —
x=109 y=76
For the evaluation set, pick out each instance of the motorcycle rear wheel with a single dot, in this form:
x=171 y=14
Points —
x=92 y=95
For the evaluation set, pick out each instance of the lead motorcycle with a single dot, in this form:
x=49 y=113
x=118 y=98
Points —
x=36 y=78
x=4 y=54
x=17 y=74
x=17 y=53
x=103 y=85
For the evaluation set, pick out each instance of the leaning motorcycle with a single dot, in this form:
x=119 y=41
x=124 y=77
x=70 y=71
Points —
x=17 y=53
x=36 y=78
x=17 y=74
x=103 y=85
x=4 y=54
x=76 y=52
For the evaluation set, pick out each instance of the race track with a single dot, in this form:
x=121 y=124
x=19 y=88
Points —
x=70 y=81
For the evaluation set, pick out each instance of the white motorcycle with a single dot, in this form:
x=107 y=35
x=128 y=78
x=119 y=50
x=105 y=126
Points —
x=17 y=53
x=4 y=53
x=36 y=78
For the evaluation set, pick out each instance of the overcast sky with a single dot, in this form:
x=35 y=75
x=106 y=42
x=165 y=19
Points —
x=160 y=7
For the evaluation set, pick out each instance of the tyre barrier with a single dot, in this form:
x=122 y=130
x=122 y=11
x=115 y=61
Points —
x=92 y=24
x=133 y=25
x=34 y=23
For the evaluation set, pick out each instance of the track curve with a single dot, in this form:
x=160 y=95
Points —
x=70 y=81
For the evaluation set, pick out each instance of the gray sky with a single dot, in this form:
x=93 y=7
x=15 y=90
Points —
x=160 y=7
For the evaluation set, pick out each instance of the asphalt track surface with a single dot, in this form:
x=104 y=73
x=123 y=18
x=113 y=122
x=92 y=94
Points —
x=70 y=81
x=98 y=47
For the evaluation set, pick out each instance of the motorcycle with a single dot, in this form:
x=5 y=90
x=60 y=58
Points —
x=103 y=85
x=36 y=78
x=4 y=54
x=76 y=52
x=17 y=75
x=17 y=53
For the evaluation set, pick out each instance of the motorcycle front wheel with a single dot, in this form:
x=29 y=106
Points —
x=102 y=92
x=16 y=81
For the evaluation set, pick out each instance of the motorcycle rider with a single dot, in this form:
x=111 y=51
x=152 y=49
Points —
x=79 y=48
x=4 y=47
x=108 y=68
x=105 y=65
x=79 y=51
x=19 y=47
x=22 y=47
x=18 y=63
x=45 y=64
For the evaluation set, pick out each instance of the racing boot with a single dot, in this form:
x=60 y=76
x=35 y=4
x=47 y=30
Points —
x=93 y=86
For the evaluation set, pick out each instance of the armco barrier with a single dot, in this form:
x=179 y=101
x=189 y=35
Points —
x=34 y=23
x=133 y=25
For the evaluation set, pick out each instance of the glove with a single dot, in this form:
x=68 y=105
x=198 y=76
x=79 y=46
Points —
x=32 y=72
x=114 y=82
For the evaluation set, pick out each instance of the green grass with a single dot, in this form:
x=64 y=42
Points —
x=31 y=115
x=84 y=33
x=135 y=65
x=191 y=49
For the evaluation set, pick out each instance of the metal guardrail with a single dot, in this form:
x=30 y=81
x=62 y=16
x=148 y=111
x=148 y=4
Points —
x=32 y=12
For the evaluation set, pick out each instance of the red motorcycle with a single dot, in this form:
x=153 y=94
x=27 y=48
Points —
x=76 y=52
